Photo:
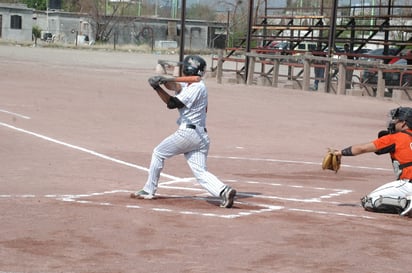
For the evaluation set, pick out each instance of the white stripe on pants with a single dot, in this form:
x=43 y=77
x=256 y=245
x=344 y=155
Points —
x=194 y=144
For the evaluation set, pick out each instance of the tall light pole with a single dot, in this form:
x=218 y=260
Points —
x=174 y=8
x=331 y=43
x=139 y=7
x=182 y=34
x=156 y=4
x=248 y=38
x=105 y=7
x=47 y=15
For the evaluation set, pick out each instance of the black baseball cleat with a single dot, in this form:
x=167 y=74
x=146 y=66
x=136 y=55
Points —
x=228 y=196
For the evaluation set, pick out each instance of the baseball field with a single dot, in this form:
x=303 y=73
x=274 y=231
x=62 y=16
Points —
x=77 y=129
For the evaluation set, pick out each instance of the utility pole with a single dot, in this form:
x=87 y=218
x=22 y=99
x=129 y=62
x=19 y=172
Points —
x=331 y=44
x=182 y=35
x=249 y=35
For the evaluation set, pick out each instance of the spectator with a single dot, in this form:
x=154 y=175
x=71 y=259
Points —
x=349 y=72
x=319 y=70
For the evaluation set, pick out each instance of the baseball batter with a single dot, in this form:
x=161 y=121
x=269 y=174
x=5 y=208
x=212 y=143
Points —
x=191 y=138
x=395 y=196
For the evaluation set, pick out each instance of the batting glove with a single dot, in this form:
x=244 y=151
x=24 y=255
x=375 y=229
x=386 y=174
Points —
x=155 y=81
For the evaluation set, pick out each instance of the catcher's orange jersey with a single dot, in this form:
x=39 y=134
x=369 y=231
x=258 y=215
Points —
x=402 y=151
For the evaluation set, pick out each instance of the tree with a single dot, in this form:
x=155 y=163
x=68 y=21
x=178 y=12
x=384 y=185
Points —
x=201 y=12
x=72 y=5
x=36 y=32
x=36 y=4
x=106 y=16
x=238 y=21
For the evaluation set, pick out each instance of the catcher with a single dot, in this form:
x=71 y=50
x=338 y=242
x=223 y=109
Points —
x=395 y=196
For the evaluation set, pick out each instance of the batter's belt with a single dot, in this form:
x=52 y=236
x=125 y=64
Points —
x=192 y=126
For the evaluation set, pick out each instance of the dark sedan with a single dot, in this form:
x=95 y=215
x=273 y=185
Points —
x=391 y=78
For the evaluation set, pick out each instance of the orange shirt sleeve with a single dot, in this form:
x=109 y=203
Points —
x=402 y=151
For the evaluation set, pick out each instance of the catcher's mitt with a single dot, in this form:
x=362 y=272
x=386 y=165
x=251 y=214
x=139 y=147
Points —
x=331 y=161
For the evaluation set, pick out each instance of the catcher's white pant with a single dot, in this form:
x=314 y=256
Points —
x=395 y=193
x=194 y=144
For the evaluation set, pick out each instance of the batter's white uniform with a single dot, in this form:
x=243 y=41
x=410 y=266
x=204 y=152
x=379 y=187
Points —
x=191 y=139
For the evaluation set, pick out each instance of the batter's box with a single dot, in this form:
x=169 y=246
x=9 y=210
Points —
x=269 y=192
x=187 y=205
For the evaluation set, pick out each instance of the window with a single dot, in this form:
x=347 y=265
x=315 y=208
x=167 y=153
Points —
x=312 y=47
x=15 y=22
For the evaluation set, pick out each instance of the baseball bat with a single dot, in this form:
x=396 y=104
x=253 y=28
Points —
x=188 y=79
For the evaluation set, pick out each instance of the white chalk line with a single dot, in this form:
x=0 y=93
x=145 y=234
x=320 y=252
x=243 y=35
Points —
x=317 y=199
x=294 y=162
x=14 y=114
x=223 y=213
x=177 y=179
x=78 y=148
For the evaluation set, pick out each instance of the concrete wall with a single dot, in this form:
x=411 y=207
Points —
x=65 y=27
x=130 y=30
x=23 y=34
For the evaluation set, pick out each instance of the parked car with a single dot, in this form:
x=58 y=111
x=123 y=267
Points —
x=363 y=51
x=391 y=78
x=275 y=47
x=283 y=46
x=263 y=49
x=46 y=36
x=270 y=48
x=306 y=46
x=377 y=54
x=338 y=49
x=370 y=76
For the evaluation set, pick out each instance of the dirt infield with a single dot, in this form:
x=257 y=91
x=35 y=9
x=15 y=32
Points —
x=77 y=129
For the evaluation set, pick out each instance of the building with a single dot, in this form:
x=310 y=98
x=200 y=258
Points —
x=71 y=28
x=16 y=22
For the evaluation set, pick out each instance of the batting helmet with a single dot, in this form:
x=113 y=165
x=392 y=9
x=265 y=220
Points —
x=402 y=114
x=194 y=65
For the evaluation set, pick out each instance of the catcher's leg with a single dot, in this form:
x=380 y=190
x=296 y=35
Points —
x=384 y=204
x=389 y=198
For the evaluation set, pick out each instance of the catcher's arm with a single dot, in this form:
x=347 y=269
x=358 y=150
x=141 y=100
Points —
x=357 y=149
x=332 y=159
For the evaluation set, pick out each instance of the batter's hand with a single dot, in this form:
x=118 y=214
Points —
x=156 y=81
